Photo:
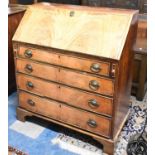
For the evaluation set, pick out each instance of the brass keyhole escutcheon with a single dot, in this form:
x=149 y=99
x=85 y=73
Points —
x=71 y=14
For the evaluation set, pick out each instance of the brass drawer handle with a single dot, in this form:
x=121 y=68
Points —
x=28 y=68
x=30 y=84
x=30 y=102
x=92 y=123
x=28 y=53
x=94 y=85
x=95 y=68
x=93 y=103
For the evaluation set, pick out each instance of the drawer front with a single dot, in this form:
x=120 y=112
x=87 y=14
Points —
x=91 y=83
x=68 y=77
x=87 y=65
x=90 y=122
x=88 y=101
x=37 y=69
x=39 y=105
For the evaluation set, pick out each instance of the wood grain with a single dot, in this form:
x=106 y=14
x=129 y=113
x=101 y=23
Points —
x=71 y=116
x=66 y=94
x=67 y=77
x=124 y=80
x=97 y=32
x=63 y=48
x=54 y=56
x=107 y=143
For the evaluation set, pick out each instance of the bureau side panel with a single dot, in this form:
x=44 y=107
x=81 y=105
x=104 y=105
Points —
x=124 y=81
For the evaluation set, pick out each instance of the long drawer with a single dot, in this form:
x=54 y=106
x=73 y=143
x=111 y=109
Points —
x=54 y=57
x=89 y=121
x=65 y=76
x=81 y=99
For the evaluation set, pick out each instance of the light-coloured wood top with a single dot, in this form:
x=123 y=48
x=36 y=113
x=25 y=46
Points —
x=94 y=31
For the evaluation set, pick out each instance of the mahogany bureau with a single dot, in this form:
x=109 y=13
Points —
x=73 y=67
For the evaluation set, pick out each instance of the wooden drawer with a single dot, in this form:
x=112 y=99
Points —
x=68 y=77
x=81 y=99
x=47 y=72
x=53 y=57
x=89 y=121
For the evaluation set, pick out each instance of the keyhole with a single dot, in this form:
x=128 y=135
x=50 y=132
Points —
x=71 y=13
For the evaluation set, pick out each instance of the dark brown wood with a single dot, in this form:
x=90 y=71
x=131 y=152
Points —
x=140 y=76
x=13 y=1
x=140 y=60
x=124 y=80
x=22 y=2
x=15 y=15
x=60 y=90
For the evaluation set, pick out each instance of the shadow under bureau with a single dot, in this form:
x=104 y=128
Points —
x=73 y=67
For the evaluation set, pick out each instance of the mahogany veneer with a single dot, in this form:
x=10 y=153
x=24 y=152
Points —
x=79 y=64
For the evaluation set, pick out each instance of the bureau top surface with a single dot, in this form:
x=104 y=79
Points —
x=94 y=31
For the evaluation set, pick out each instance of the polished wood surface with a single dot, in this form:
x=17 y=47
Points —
x=67 y=95
x=54 y=57
x=124 y=80
x=84 y=30
x=71 y=116
x=45 y=75
x=139 y=82
x=14 y=16
x=140 y=46
x=65 y=76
